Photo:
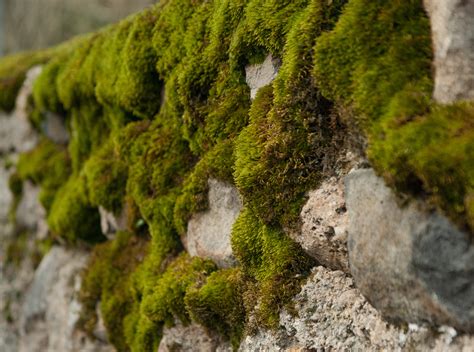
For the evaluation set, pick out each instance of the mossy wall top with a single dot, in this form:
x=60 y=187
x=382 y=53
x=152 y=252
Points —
x=158 y=103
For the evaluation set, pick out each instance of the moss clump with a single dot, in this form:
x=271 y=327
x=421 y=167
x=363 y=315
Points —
x=17 y=249
x=166 y=303
x=292 y=137
x=360 y=63
x=218 y=303
x=47 y=166
x=13 y=71
x=107 y=280
x=218 y=164
x=158 y=104
x=272 y=261
x=71 y=216
x=106 y=177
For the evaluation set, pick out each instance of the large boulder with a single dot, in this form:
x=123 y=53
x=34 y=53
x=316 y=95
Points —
x=412 y=264
x=452 y=25
x=330 y=314
x=209 y=232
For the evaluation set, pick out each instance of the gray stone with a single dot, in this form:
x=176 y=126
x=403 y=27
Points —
x=51 y=310
x=452 y=25
x=332 y=315
x=54 y=128
x=192 y=337
x=16 y=133
x=324 y=225
x=411 y=264
x=100 y=331
x=6 y=199
x=260 y=75
x=111 y=223
x=209 y=232
x=30 y=214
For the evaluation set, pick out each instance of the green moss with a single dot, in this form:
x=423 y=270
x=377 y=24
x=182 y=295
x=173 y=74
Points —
x=416 y=145
x=106 y=177
x=166 y=303
x=273 y=261
x=218 y=303
x=16 y=249
x=15 y=184
x=13 y=71
x=292 y=138
x=157 y=104
x=218 y=164
x=47 y=166
x=106 y=280
x=71 y=216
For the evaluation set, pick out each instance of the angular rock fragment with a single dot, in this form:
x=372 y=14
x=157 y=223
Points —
x=209 y=232
x=260 y=75
x=324 y=225
x=412 y=264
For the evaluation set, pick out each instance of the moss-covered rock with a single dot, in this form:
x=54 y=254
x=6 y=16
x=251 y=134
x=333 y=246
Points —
x=157 y=104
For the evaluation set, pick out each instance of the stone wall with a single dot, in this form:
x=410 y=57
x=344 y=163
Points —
x=390 y=272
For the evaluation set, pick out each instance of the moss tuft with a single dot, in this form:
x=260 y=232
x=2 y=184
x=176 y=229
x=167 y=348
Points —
x=106 y=177
x=273 y=261
x=106 y=281
x=166 y=303
x=71 y=216
x=218 y=303
x=13 y=71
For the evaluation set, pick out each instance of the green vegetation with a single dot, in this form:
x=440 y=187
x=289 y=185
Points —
x=12 y=74
x=378 y=59
x=158 y=104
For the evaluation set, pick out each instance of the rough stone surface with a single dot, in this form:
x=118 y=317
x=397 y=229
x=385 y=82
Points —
x=110 y=223
x=51 y=310
x=30 y=214
x=209 y=232
x=332 y=315
x=16 y=134
x=452 y=25
x=260 y=75
x=55 y=129
x=190 y=338
x=324 y=230
x=5 y=200
x=411 y=264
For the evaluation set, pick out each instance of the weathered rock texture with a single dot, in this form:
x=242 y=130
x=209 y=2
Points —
x=16 y=133
x=209 y=232
x=51 y=310
x=191 y=338
x=333 y=315
x=38 y=306
x=452 y=23
x=259 y=75
x=412 y=265
x=111 y=223
x=324 y=231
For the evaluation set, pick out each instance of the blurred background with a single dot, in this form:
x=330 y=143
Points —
x=33 y=24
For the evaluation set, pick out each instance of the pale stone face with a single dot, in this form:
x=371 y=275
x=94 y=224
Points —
x=409 y=261
x=260 y=75
x=452 y=25
x=209 y=232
